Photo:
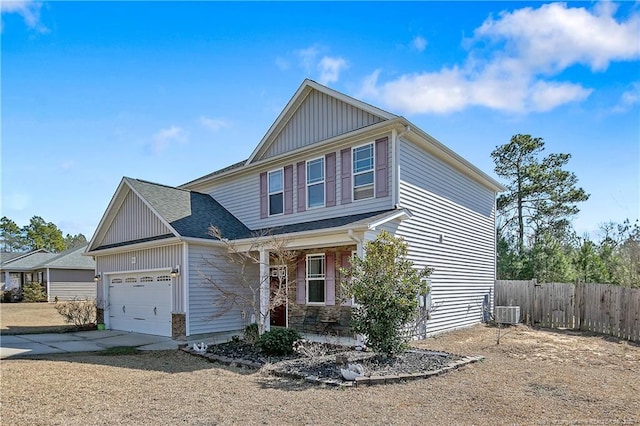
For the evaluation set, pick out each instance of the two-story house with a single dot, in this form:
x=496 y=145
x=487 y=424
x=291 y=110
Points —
x=329 y=175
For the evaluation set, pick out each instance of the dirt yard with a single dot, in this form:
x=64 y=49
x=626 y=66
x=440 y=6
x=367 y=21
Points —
x=532 y=377
x=24 y=318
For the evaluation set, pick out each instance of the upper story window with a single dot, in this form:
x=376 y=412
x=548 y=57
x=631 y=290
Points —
x=315 y=183
x=276 y=192
x=315 y=278
x=363 y=171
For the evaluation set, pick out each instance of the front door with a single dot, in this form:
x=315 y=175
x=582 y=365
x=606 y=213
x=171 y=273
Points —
x=278 y=284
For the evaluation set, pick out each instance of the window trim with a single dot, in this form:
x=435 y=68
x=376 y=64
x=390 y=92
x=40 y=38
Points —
x=269 y=193
x=353 y=172
x=323 y=182
x=323 y=279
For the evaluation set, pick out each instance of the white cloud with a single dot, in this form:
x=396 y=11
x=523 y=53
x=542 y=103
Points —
x=628 y=99
x=330 y=69
x=29 y=10
x=163 y=138
x=419 y=43
x=282 y=63
x=511 y=59
x=307 y=57
x=326 y=68
x=213 y=124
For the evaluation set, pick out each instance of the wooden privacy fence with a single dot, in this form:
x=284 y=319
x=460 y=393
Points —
x=600 y=308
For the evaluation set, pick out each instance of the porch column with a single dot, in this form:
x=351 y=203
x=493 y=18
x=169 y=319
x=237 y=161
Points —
x=264 y=288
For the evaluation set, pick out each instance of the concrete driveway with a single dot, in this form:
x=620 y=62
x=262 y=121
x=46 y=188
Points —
x=82 y=341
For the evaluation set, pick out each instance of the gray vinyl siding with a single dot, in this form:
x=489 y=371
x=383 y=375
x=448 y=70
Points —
x=164 y=257
x=319 y=117
x=72 y=290
x=241 y=195
x=206 y=314
x=70 y=275
x=446 y=202
x=134 y=221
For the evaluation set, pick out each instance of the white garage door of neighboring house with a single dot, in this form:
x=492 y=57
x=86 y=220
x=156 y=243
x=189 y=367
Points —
x=140 y=303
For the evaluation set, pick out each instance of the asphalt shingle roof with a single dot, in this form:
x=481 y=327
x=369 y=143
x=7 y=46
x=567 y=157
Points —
x=29 y=262
x=70 y=259
x=334 y=222
x=190 y=213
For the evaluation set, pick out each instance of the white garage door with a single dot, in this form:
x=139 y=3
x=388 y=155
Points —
x=141 y=303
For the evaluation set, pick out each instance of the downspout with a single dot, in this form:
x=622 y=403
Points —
x=358 y=242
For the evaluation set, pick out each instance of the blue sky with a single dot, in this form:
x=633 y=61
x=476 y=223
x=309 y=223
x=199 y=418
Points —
x=168 y=91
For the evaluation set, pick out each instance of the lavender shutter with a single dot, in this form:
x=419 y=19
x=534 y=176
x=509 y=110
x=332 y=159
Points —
x=345 y=175
x=346 y=264
x=382 y=167
x=288 y=189
x=330 y=179
x=263 y=196
x=302 y=187
x=330 y=279
x=301 y=281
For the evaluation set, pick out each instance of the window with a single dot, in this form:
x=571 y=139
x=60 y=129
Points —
x=315 y=183
x=162 y=278
x=315 y=278
x=363 y=172
x=276 y=193
x=146 y=279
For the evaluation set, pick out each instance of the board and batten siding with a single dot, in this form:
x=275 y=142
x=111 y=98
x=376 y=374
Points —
x=134 y=221
x=246 y=207
x=72 y=291
x=452 y=231
x=207 y=309
x=319 y=117
x=164 y=257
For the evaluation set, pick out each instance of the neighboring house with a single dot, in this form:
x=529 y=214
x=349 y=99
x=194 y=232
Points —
x=68 y=275
x=329 y=175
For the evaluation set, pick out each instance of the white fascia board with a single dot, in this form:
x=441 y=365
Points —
x=298 y=98
x=402 y=214
x=315 y=149
x=136 y=246
x=101 y=229
x=154 y=211
x=437 y=148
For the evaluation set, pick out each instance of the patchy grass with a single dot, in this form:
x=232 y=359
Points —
x=532 y=377
x=120 y=350
x=30 y=318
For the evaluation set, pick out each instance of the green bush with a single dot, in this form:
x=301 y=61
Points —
x=33 y=292
x=385 y=283
x=251 y=333
x=278 y=341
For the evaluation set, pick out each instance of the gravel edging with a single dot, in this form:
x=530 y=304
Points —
x=359 y=381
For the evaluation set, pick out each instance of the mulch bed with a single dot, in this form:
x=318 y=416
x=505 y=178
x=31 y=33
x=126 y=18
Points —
x=319 y=364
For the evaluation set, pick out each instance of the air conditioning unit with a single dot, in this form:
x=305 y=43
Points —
x=507 y=314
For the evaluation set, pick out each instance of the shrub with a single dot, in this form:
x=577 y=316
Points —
x=80 y=313
x=11 y=295
x=278 y=341
x=251 y=333
x=33 y=292
x=386 y=285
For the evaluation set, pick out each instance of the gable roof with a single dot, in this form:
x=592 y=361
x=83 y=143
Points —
x=185 y=213
x=307 y=87
x=8 y=257
x=69 y=259
x=30 y=262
